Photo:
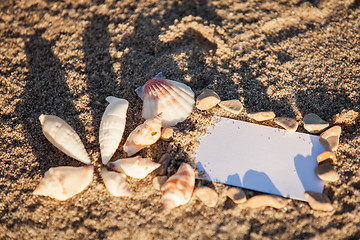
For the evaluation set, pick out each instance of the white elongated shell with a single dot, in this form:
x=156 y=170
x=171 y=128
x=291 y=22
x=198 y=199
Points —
x=135 y=167
x=174 y=99
x=177 y=190
x=112 y=127
x=62 y=183
x=143 y=135
x=62 y=136
x=115 y=183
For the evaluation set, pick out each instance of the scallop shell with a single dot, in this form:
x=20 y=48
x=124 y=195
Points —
x=115 y=183
x=177 y=190
x=135 y=167
x=143 y=135
x=174 y=99
x=112 y=127
x=62 y=183
x=62 y=136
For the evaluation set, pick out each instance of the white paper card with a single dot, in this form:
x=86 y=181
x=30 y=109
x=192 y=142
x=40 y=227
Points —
x=260 y=158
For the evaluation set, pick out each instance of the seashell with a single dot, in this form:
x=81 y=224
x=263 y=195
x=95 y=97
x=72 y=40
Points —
x=140 y=90
x=158 y=182
x=143 y=135
x=177 y=190
x=324 y=157
x=266 y=200
x=174 y=99
x=237 y=195
x=207 y=195
x=135 y=167
x=115 y=183
x=330 y=138
x=62 y=136
x=318 y=201
x=62 y=183
x=112 y=127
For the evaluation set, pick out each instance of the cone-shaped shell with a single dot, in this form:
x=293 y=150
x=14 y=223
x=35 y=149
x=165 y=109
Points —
x=174 y=99
x=143 y=135
x=62 y=183
x=177 y=190
x=112 y=127
x=115 y=183
x=135 y=167
x=62 y=136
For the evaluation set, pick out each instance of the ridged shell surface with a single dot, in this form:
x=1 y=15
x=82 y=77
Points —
x=143 y=135
x=115 y=183
x=62 y=183
x=135 y=167
x=112 y=127
x=174 y=99
x=62 y=136
x=177 y=190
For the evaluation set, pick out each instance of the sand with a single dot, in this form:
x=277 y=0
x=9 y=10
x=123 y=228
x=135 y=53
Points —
x=64 y=57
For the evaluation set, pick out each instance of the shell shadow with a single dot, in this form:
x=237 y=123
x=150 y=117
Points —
x=45 y=92
x=253 y=179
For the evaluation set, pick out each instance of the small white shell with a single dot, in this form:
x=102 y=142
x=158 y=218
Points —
x=143 y=135
x=112 y=127
x=174 y=99
x=62 y=183
x=135 y=167
x=177 y=190
x=62 y=136
x=115 y=183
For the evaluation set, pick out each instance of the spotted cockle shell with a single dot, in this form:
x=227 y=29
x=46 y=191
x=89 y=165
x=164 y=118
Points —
x=143 y=135
x=59 y=133
x=177 y=190
x=135 y=167
x=174 y=99
x=115 y=183
x=112 y=127
x=62 y=183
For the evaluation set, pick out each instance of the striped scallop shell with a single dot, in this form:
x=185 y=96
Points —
x=115 y=183
x=62 y=183
x=62 y=136
x=143 y=135
x=112 y=127
x=135 y=167
x=174 y=99
x=177 y=190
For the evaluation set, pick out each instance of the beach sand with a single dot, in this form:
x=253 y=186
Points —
x=65 y=57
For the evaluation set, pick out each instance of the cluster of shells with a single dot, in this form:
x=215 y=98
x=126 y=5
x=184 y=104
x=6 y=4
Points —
x=165 y=103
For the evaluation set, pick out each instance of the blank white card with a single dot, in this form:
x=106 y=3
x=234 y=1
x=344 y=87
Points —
x=260 y=158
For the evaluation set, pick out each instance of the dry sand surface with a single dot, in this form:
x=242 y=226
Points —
x=64 y=57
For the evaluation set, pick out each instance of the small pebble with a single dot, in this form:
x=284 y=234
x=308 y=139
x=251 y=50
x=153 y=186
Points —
x=330 y=138
x=326 y=157
x=314 y=124
x=158 y=182
x=289 y=124
x=233 y=106
x=207 y=99
x=164 y=161
x=326 y=172
x=318 y=201
x=207 y=195
x=266 y=201
x=167 y=133
x=262 y=116
x=236 y=194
